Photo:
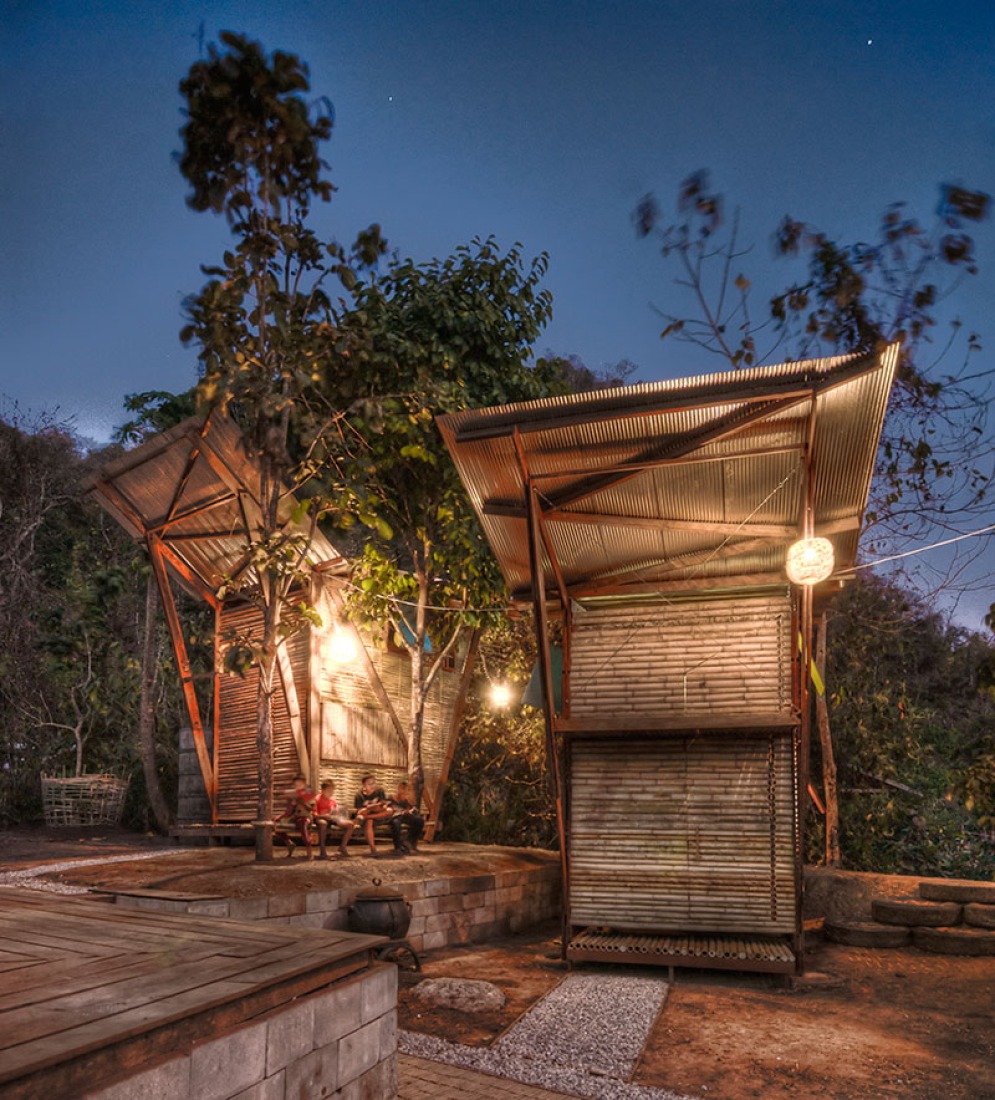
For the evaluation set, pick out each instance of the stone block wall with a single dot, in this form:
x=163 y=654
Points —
x=444 y=911
x=339 y=1042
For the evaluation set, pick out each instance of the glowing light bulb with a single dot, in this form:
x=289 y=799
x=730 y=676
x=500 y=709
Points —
x=341 y=647
x=500 y=695
x=810 y=561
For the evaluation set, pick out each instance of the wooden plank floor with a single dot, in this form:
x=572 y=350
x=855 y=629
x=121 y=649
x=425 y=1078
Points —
x=80 y=977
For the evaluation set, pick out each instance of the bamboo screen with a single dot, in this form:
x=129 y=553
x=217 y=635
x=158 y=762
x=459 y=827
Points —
x=709 y=657
x=677 y=835
x=356 y=733
x=235 y=755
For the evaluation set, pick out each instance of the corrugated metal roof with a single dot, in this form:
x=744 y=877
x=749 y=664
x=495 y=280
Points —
x=687 y=480
x=196 y=488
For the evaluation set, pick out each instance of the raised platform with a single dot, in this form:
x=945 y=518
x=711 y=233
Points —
x=103 y=1001
x=722 y=952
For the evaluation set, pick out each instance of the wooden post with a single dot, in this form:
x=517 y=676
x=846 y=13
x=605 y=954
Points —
x=186 y=675
x=828 y=756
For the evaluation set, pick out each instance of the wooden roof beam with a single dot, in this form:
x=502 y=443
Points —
x=721 y=427
x=680 y=460
x=673 y=565
x=645 y=523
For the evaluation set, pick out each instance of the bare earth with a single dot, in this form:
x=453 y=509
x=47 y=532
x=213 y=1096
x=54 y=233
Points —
x=861 y=1025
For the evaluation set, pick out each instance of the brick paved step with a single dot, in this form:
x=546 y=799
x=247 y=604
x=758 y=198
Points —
x=982 y=892
x=979 y=916
x=955 y=941
x=867 y=933
x=916 y=914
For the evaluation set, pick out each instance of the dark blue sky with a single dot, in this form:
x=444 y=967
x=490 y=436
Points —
x=539 y=122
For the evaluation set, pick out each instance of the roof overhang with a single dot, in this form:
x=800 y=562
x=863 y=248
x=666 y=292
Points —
x=690 y=484
x=195 y=490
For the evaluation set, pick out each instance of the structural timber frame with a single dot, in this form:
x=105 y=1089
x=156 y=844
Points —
x=191 y=496
x=647 y=526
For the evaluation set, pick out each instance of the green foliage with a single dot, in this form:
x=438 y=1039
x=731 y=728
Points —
x=157 y=411
x=912 y=733
x=426 y=339
x=264 y=322
x=498 y=791
x=72 y=588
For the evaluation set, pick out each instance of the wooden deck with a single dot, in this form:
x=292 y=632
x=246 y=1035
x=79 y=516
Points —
x=89 y=989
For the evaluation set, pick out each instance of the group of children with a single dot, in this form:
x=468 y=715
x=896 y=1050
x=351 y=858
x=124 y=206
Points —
x=306 y=810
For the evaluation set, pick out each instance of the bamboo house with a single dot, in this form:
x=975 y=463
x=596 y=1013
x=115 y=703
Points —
x=650 y=527
x=343 y=699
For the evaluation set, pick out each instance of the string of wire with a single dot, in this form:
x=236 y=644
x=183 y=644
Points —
x=840 y=573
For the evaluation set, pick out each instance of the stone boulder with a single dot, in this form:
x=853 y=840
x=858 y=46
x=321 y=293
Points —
x=463 y=994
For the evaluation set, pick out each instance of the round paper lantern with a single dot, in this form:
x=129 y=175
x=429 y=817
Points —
x=810 y=561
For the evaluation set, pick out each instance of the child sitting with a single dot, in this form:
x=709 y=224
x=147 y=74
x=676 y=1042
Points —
x=300 y=806
x=327 y=814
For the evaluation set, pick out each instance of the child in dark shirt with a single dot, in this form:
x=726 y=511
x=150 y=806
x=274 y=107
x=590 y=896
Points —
x=371 y=806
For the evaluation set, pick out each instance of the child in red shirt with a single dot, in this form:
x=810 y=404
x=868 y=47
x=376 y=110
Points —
x=300 y=806
x=328 y=813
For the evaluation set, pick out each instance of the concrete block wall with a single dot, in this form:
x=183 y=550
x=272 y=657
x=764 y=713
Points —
x=340 y=1042
x=444 y=911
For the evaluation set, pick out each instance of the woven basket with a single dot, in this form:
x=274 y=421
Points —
x=83 y=800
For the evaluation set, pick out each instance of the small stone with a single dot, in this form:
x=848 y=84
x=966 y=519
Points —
x=463 y=994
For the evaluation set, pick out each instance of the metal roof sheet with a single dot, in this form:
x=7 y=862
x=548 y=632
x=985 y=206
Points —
x=196 y=488
x=688 y=480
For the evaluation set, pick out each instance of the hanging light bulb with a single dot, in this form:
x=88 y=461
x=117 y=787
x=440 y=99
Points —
x=341 y=647
x=810 y=560
x=500 y=695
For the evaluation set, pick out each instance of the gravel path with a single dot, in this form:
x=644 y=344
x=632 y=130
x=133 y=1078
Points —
x=584 y=1037
x=30 y=878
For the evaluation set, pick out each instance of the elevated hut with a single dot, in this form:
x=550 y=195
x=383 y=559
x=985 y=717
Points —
x=342 y=707
x=649 y=527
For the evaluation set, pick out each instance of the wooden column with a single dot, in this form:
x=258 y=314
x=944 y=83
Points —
x=186 y=675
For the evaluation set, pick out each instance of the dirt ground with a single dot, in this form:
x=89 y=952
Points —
x=233 y=872
x=861 y=1025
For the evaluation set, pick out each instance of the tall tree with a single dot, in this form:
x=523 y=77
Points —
x=265 y=322
x=430 y=339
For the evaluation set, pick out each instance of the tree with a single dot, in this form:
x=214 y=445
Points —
x=912 y=724
x=429 y=339
x=71 y=620
x=264 y=322
x=935 y=462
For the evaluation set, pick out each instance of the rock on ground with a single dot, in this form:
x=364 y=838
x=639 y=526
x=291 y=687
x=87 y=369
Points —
x=464 y=994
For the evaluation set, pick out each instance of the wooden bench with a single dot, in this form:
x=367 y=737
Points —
x=284 y=829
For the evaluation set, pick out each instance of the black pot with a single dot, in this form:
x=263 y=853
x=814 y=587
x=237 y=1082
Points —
x=380 y=911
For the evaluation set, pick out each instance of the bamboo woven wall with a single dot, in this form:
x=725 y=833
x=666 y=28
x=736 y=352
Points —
x=235 y=756
x=709 y=657
x=674 y=835
x=356 y=734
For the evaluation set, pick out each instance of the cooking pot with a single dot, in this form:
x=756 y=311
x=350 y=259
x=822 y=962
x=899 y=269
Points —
x=380 y=911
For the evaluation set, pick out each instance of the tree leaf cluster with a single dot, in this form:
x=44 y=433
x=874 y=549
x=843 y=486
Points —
x=72 y=617
x=911 y=723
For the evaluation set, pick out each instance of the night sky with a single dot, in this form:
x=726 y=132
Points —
x=538 y=122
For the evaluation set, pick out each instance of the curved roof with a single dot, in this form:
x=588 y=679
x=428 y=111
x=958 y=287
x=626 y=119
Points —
x=688 y=483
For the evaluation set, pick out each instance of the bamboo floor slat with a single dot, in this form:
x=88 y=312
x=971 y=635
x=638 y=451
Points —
x=94 y=976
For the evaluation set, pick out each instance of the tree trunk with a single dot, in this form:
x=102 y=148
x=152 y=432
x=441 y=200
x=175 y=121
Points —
x=264 y=740
x=828 y=757
x=416 y=771
x=146 y=711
